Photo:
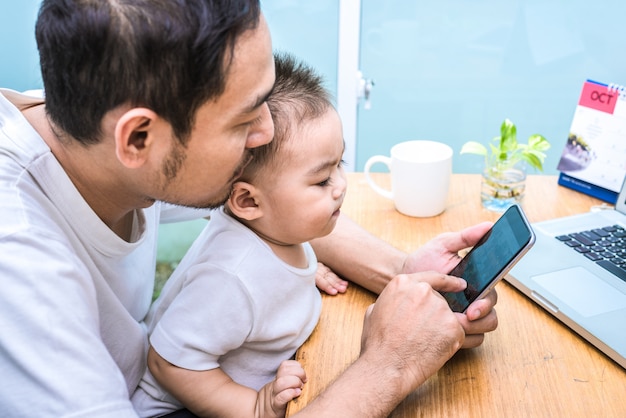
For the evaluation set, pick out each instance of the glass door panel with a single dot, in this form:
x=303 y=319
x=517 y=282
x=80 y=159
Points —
x=452 y=70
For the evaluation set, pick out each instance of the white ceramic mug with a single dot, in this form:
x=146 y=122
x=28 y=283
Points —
x=420 y=177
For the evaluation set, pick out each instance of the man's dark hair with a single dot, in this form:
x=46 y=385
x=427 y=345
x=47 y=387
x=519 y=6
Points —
x=166 y=55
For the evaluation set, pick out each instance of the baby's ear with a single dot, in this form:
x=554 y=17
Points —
x=243 y=201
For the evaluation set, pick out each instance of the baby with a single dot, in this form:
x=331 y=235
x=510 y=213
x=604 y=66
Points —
x=244 y=298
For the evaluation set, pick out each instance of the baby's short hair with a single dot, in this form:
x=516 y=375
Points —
x=298 y=96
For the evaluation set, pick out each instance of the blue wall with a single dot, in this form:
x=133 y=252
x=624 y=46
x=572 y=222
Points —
x=296 y=26
x=309 y=29
x=450 y=70
x=19 y=68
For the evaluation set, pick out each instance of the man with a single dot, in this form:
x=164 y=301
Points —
x=157 y=101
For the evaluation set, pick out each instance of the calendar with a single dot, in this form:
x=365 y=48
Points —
x=594 y=156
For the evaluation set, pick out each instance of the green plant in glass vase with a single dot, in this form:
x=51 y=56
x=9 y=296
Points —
x=504 y=174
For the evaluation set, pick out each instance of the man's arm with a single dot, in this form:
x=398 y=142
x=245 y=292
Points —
x=359 y=256
x=408 y=335
x=354 y=253
x=410 y=332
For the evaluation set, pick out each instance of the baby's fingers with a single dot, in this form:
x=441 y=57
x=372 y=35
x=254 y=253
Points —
x=327 y=281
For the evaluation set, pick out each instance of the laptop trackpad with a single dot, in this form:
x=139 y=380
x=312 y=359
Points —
x=582 y=291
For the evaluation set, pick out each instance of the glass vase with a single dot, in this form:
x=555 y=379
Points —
x=502 y=187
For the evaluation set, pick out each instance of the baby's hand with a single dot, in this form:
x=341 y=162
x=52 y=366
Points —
x=328 y=281
x=273 y=397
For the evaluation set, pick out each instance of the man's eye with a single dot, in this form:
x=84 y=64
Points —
x=255 y=120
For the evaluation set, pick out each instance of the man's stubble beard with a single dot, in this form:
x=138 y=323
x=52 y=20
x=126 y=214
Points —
x=172 y=165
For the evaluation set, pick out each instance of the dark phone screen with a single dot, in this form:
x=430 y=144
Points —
x=489 y=257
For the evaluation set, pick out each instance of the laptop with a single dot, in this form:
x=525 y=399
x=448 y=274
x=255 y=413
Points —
x=574 y=272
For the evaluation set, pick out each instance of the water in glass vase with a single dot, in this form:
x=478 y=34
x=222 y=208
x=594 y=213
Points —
x=501 y=189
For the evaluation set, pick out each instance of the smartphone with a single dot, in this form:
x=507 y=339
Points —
x=492 y=257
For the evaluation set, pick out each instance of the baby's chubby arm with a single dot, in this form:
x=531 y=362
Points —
x=214 y=393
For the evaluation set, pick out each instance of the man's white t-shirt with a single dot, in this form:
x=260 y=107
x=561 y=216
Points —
x=73 y=295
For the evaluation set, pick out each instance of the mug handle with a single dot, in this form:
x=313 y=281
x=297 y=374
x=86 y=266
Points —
x=368 y=165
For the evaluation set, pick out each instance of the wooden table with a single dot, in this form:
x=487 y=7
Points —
x=531 y=366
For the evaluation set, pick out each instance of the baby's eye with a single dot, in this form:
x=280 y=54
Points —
x=324 y=183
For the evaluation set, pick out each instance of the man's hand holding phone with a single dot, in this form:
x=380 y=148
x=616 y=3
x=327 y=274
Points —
x=441 y=254
x=491 y=258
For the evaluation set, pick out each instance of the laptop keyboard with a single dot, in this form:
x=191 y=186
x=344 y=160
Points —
x=605 y=246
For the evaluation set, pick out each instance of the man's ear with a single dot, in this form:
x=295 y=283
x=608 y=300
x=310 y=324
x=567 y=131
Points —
x=134 y=135
x=244 y=201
